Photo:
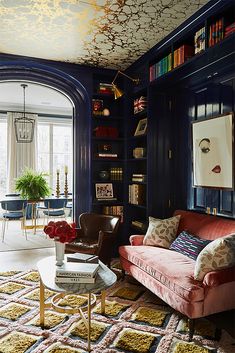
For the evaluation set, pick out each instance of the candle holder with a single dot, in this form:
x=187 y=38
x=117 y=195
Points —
x=66 y=192
x=57 y=184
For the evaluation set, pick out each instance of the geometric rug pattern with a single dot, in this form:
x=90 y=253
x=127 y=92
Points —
x=136 y=321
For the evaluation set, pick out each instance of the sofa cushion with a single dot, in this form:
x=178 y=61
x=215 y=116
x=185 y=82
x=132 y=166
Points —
x=172 y=269
x=161 y=232
x=218 y=254
x=188 y=244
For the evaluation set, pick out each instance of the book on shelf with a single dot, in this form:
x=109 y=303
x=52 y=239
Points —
x=116 y=173
x=114 y=211
x=84 y=258
x=229 y=29
x=107 y=155
x=139 y=224
x=200 y=40
x=136 y=194
x=80 y=270
x=106 y=199
x=63 y=279
x=216 y=32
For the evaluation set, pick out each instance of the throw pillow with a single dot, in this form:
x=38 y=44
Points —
x=219 y=254
x=189 y=245
x=161 y=232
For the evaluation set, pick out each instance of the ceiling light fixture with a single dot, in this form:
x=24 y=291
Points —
x=117 y=91
x=24 y=127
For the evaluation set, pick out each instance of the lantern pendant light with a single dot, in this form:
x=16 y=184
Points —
x=24 y=127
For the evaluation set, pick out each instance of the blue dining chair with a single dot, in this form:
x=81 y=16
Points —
x=14 y=210
x=55 y=208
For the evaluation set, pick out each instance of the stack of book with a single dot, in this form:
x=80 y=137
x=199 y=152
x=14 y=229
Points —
x=216 y=32
x=105 y=88
x=229 y=29
x=79 y=272
x=200 y=40
x=136 y=194
x=139 y=177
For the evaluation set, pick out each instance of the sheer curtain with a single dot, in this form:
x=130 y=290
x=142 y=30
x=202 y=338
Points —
x=19 y=155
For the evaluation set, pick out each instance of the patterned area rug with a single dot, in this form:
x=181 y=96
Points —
x=136 y=321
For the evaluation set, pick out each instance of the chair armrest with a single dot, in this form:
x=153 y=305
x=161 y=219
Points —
x=136 y=239
x=216 y=278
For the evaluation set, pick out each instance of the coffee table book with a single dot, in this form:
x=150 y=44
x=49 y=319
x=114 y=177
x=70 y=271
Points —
x=83 y=258
x=79 y=270
x=63 y=279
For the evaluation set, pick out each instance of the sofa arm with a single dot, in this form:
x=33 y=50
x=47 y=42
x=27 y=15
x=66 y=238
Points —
x=216 y=278
x=136 y=239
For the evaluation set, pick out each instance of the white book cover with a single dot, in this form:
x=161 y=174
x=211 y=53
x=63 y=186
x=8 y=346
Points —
x=77 y=269
x=62 y=279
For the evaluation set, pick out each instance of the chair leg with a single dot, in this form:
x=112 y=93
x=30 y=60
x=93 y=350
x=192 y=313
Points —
x=191 y=325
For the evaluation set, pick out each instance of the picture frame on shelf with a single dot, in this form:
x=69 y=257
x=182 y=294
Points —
x=212 y=152
x=104 y=191
x=97 y=106
x=141 y=127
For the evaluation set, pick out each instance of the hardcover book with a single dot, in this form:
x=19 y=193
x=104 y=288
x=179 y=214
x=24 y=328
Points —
x=70 y=269
x=79 y=257
x=62 y=279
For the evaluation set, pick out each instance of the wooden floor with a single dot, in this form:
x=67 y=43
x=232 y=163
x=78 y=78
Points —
x=27 y=259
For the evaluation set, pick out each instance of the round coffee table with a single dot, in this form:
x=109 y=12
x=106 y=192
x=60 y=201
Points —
x=105 y=278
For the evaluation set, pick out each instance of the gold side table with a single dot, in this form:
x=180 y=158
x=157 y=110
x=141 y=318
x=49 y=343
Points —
x=105 y=278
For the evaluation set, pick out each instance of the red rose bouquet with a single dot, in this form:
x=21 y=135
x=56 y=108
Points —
x=61 y=231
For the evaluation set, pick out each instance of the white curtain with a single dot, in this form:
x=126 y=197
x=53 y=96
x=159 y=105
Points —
x=19 y=155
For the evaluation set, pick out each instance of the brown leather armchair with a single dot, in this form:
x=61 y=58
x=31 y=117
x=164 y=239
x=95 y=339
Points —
x=96 y=235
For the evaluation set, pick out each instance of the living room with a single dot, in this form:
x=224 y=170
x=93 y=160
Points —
x=171 y=67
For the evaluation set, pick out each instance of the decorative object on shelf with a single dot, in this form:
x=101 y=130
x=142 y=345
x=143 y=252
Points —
x=32 y=185
x=140 y=104
x=106 y=112
x=62 y=233
x=106 y=131
x=57 y=183
x=213 y=146
x=117 y=91
x=141 y=127
x=97 y=106
x=66 y=191
x=104 y=174
x=200 y=40
x=105 y=151
x=139 y=152
x=104 y=191
x=24 y=127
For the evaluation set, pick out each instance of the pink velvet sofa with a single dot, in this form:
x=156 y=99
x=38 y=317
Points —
x=169 y=274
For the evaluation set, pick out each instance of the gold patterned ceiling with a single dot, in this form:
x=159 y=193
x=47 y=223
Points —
x=105 y=33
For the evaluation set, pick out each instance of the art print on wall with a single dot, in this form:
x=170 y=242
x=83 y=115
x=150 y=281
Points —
x=213 y=159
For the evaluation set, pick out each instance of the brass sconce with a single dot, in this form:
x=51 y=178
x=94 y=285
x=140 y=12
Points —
x=117 y=91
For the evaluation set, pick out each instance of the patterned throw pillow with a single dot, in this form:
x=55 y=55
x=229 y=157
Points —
x=189 y=245
x=161 y=232
x=219 y=254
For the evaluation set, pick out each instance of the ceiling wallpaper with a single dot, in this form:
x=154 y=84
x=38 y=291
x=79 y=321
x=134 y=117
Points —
x=104 y=33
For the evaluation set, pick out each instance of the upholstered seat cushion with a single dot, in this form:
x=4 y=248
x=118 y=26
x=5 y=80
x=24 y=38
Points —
x=172 y=269
x=13 y=215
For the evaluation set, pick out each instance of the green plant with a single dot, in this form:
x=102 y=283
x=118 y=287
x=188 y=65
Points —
x=32 y=185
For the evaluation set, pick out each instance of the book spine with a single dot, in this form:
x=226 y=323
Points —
x=73 y=274
x=74 y=280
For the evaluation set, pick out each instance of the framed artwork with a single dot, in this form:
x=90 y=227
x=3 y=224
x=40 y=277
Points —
x=104 y=190
x=213 y=152
x=97 y=106
x=141 y=127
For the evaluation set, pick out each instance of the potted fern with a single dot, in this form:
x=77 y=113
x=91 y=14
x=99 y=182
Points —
x=32 y=185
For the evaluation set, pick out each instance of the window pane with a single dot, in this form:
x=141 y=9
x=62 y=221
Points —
x=62 y=156
x=43 y=149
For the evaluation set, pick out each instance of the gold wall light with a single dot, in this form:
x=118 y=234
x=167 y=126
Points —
x=117 y=91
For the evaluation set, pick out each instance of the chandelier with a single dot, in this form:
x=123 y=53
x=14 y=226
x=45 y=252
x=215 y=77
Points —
x=24 y=127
